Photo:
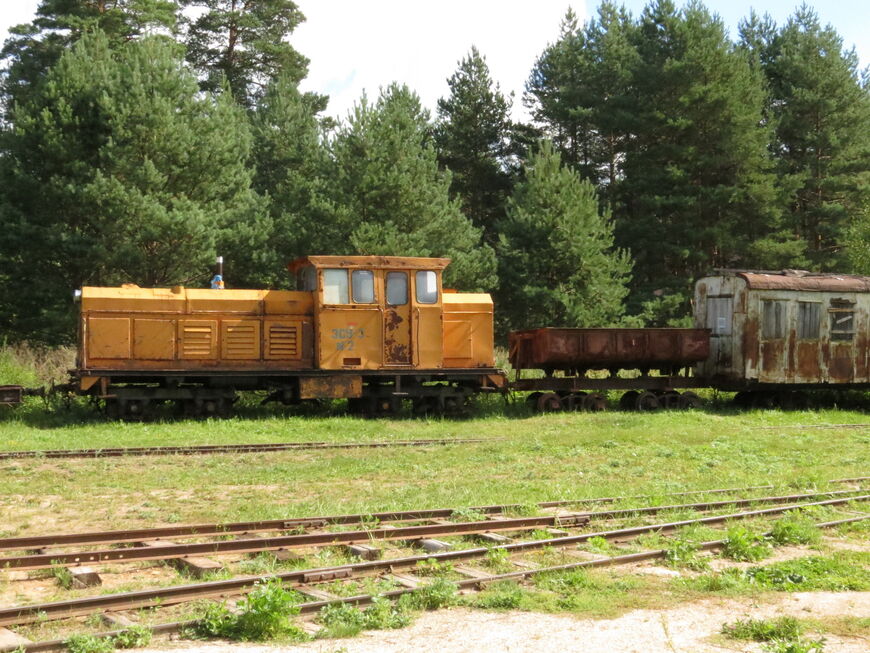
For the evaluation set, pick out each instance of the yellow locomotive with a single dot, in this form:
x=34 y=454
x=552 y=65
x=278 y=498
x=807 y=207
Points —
x=375 y=330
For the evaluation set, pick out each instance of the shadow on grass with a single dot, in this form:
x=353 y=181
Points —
x=78 y=411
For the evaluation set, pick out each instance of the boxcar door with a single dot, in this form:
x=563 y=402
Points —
x=774 y=346
x=397 y=318
x=720 y=319
x=841 y=346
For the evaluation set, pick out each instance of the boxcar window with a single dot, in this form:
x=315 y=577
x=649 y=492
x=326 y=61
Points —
x=335 y=287
x=397 y=288
x=842 y=325
x=773 y=319
x=809 y=320
x=363 y=282
x=427 y=287
x=719 y=315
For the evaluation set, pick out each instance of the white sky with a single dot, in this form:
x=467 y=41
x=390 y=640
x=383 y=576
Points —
x=357 y=45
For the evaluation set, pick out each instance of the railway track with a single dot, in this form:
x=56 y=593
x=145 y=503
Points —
x=300 y=579
x=303 y=580
x=468 y=584
x=378 y=526
x=194 y=450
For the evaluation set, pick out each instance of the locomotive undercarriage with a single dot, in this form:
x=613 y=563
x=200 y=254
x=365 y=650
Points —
x=133 y=397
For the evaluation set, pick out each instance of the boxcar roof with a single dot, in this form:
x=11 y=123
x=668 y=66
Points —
x=805 y=281
x=390 y=262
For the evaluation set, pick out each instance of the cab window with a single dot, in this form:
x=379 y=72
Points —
x=307 y=279
x=335 y=287
x=397 y=288
x=363 y=283
x=427 y=287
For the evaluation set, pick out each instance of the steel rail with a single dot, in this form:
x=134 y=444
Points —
x=169 y=551
x=473 y=583
x=242 y=528
x=229 y=448
x=225 y=588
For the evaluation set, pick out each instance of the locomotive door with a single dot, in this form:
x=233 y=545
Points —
x=397 y=319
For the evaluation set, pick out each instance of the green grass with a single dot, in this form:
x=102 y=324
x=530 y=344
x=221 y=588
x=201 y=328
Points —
x=561 y=456
x=843 y=571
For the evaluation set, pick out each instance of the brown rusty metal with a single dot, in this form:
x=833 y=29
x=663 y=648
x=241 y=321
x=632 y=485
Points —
x=581 y=349
x=337 y=386
x=805 y=281
x=11 y=395
x=228 y=448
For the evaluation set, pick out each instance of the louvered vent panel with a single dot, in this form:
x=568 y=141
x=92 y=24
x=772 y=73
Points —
x=197 y=341
x=240 y=341
x=283 y=341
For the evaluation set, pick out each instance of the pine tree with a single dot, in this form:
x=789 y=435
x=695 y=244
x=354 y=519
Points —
x=245 y=43
x=296 y=174
x=34 y=47
x=821 y=112
x=559 y=266
x=473 y=140
x=390 y=184
x=698 y=191
x=119 y=170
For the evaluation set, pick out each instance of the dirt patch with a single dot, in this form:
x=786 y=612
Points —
x=688 y=629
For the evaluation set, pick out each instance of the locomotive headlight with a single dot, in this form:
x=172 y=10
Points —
x=77 y=295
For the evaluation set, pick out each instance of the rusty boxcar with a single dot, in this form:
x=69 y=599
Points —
x=772 y=333
x=374 y=330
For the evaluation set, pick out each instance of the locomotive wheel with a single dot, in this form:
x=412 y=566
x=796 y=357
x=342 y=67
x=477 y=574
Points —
x=765 y=400
x=647 y=400
x=532 y=400
x=743 y=399
x=594 y=402
x=689 y=400
x=573 y=401
x=548 y=402
x=670 y=400
x=628 y=400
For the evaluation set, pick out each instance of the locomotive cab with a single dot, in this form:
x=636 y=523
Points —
x=392 y=313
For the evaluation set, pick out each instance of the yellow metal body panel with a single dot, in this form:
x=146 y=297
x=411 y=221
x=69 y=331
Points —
x=349 y=338
x=181 y=329
x=468 y=330
x=109 y=337
x=154 y=339
x=330 y=387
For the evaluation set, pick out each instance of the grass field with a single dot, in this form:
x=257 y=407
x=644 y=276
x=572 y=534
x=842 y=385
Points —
x=525 y=459
x=530 y=459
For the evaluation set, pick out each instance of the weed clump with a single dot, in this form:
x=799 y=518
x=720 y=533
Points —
x=135 y=636
x=346 y=620
x=684 y=554
x=503 y=595
x=439 y=593
x=264 y=614
x=764 y=630
x=467 y=515
x=745 y=546
x=434 y=568
x=842 y=572
x=795 y=529
x=89 y=644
